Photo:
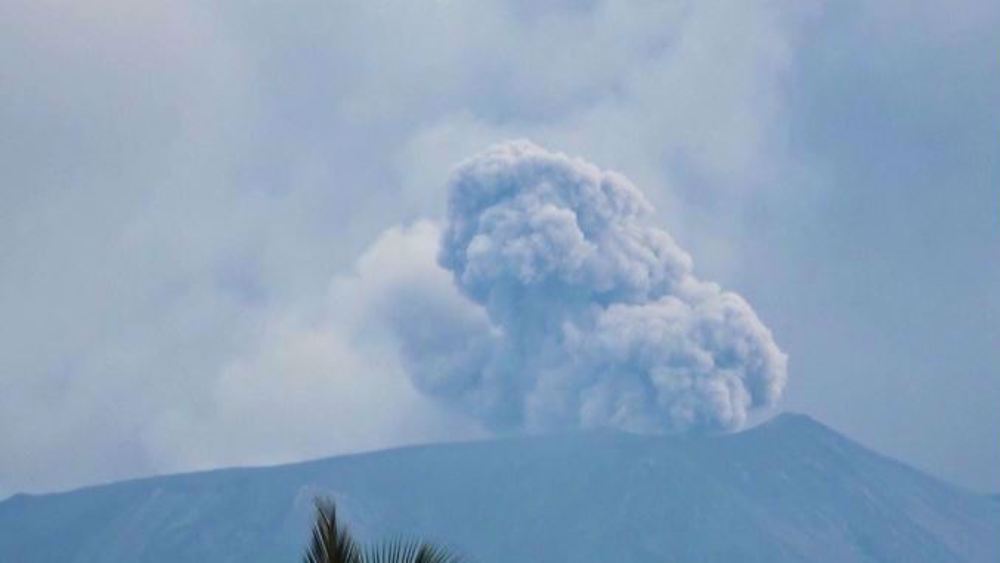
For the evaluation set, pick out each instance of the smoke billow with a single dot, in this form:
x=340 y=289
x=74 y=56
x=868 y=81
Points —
x=578 y=312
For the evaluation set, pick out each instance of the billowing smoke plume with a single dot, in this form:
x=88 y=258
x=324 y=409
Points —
x=581 y=313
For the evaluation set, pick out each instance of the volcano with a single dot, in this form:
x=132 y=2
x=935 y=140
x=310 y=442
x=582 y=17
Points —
x=790 y=489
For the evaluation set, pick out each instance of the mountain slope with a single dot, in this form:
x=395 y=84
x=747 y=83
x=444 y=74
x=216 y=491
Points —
x=789 y=490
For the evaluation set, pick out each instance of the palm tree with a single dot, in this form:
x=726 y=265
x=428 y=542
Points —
x=332 y=543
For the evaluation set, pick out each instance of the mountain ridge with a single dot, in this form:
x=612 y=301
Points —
x=779 y=419
x=789 y=489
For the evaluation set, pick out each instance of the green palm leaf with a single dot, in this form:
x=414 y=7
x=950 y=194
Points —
x=333 y=543
x=408 y=552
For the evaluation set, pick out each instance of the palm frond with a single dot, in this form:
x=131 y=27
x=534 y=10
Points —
x=395 y=551
x=331 y=542
x=408 y=552
x=434 y=554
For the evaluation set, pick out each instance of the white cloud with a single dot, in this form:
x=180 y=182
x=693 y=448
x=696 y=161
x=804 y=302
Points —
x=183 y=181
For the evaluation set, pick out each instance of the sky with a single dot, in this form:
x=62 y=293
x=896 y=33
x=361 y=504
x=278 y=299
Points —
x=209 y=209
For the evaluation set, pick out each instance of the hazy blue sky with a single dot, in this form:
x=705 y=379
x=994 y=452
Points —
x=201 y=204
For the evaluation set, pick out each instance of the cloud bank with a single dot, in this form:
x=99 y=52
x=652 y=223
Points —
x=181 y=181
x=577 y=311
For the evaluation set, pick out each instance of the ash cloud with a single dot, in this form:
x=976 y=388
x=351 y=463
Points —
x=577 y=312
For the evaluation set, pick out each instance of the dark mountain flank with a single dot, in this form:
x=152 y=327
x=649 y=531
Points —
x=788 y=490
